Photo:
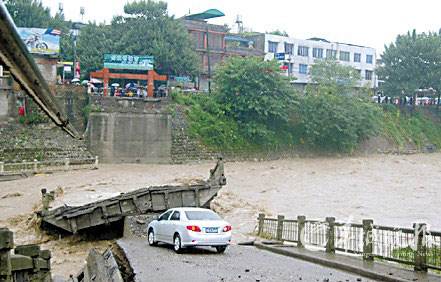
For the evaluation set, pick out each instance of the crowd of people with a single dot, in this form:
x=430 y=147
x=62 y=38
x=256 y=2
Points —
x=131 y=90
x=405 y=100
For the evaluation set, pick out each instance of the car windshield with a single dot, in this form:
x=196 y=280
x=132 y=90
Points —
x=201 y=215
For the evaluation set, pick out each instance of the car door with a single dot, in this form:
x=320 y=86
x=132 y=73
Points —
x=171 y=226
x=160 y=227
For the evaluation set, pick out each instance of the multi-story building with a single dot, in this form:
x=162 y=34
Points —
x=213 y=44
x=296 y=56
x=210 y=52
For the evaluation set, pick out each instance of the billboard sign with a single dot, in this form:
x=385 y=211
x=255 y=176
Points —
x=41 y=40
x=128 y=62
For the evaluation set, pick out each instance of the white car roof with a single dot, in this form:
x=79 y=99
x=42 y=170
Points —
x=183 y=209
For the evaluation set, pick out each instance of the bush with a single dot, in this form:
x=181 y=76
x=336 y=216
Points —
x=337 y=123
x=208 y=122
x=253 y=93
x=418 y=127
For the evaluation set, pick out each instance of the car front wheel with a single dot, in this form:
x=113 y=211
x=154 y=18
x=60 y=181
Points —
x=221 y=249
x=177 y=244
x=151 y=238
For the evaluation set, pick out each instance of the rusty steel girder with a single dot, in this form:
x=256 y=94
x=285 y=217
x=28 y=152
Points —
x=15 y=56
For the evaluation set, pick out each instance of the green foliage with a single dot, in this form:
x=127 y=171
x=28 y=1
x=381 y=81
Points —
x=32 y=13
x=28 y=13
x=334 y=78
x=35 y=114
x=254 y=94
x=279 y=32
x=146 y=29
x=413 y=61
x=337 y=123
x=408 y=253
x=93 y=42
x=208 y=122
x=419 y=128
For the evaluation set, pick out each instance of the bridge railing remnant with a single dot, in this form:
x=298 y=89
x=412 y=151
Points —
x=415 y=246
x=48 y=166
x=25 y=263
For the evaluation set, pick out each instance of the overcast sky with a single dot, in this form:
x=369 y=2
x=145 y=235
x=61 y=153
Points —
x=370 y=23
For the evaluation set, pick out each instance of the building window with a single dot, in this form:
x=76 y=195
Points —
x=272 y=46
x=369 y=59
x=368 y=74
x=317 y=53
x=331 y=54
x=344 y=56
x=289 y=48
x=357 y=57
x=303 y=51
x=358 y=72
x=303 y=69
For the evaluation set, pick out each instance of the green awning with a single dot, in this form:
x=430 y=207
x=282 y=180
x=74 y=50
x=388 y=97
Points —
x=209 y=14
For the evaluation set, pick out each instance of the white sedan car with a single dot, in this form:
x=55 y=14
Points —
x=189 y=227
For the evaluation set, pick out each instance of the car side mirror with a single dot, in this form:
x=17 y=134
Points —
x=155 y=217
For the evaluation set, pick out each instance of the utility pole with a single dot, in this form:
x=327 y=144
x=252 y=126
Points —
x=75 y=34
x=439 y=97
x=208 y=61
x=82 y=12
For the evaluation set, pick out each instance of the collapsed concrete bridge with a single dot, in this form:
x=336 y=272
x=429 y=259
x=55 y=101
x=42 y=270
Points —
x=142 y=201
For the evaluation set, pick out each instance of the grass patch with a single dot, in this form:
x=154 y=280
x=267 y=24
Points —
x=419 y=127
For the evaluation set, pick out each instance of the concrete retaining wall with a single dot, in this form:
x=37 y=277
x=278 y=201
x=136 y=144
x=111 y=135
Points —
x=118 y=137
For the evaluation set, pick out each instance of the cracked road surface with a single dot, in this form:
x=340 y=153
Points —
x=238 y=263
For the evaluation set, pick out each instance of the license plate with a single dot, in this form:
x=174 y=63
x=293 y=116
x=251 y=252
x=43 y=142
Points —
x=211 y=229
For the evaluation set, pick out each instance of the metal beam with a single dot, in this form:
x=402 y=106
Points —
x=15 y=56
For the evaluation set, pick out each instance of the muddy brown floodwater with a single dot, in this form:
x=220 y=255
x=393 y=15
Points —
x=391 y=190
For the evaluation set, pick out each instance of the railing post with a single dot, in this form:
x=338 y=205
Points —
x=280 y=219
x=261 y=222
x=367 y=239
x=66 y=164
x=96 y=161
x=35 y=166
x=6 y=244
x=420 y=240
x=2 y=167
x=330 y=243
x=301 y=219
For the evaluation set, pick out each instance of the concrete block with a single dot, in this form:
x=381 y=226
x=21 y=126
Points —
x=6 y=239
x=28 y=250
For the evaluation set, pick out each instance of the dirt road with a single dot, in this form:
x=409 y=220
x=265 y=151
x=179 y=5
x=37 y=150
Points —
x=392 y=190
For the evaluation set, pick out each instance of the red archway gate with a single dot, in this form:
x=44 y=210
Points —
x=150 y=77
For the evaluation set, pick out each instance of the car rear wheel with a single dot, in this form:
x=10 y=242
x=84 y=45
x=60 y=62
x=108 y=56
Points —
x=177 y=244
x=221 y=249
x=151 y=238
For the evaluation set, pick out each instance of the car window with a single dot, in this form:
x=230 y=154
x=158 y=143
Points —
x=201 y=215
x=165 y=216
x=176 y=216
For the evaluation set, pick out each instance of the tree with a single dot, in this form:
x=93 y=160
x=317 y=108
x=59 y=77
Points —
x=28 y=13
x=279 y=32
x=332 y=116
x=336 y=78
x=255 y=94
x=94 y=41
x=413 y=61
x=146 y=29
